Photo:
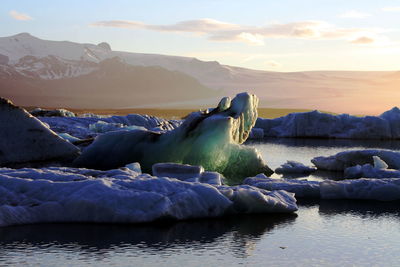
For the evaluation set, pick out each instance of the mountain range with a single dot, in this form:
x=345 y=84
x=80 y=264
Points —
x=36 y=72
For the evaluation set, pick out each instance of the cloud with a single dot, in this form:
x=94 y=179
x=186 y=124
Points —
x=228 y=32
x=391 y=9
x=19 y=16
x=354 y=14
x=273 y=64
x=363 y=40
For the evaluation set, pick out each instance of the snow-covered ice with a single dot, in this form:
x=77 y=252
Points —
x=210 y=139
x=122 y=196
x=350 y=158
x=301 y=188
x=386 y=189
x=185 y=172
x=375 y=189
x=25 y=139
x=89 y=126
x=323 y=125
x=294 y=167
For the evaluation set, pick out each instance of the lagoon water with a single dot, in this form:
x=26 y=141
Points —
x=321 y=233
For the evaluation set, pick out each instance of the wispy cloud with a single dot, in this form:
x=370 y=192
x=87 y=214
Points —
x=363 y=40
x=273 y=64
x=228 y=32
x=19 y=16
x=391 y=9
x=354 y=14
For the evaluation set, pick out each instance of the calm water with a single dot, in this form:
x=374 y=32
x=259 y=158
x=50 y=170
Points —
x=326 y=233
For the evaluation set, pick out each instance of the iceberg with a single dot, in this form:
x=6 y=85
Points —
x=294 y=167
x=386 y=189
x=345 y=159
x=91 y=126
x=26 y=140
x=188 y=173
x=61 y=194
x=316 y=124
x=211 y=139
x=301 y=188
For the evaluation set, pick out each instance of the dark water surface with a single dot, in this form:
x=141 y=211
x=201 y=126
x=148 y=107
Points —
x=323 y=233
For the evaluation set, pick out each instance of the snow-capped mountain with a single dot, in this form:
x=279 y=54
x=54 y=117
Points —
x=47 y=67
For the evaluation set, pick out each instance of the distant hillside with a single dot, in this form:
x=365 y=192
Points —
x=68 y=74
x=113 y=84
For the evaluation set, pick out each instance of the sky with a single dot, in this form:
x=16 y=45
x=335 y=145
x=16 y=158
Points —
x=284 y=35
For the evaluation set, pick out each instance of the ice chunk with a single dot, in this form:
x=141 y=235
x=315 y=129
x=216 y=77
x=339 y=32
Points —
x=294 y=167
x=23 y=139
x=301 y=188
x=323 y=125
x=38 y=112
x=69 y=137
x=248 y=199
x=179 y=171
x=345 y=159
x=213 y=178
x=122 y=196
x=379 y=163
x=387 y=189
x=369 y=171
x=211 y=140
x=375 y=189
x=134 y=167
x=256 y=133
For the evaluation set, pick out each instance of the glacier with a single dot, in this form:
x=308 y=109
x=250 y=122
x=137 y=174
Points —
x=382 y=189
x=316 y=124
x=62 y=194
x=211 y=139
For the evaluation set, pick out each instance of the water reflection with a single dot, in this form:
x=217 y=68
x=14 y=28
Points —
x=242 y=232
x=359 y=208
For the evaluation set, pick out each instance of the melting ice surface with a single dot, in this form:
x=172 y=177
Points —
x=211 y=139
x=123 y=196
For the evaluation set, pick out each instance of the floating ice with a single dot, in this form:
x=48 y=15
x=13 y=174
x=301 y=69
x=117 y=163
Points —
x=89 y=126
x=185 y=172
x=211 y=140
x=256 y=133
x=301 y=188
x=122 y=196
x=345 y=159
x=369 y=189
x=375 y=189
x=323 y=125
x=24 y=139
x=379 y=163
x=294 y=167
x=369 y=171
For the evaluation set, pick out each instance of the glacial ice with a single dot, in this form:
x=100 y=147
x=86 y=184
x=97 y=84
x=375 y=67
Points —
x=188 y=173
x=345 y=159
x=386 y=189
x=209 y=139
x=61 y=194
x=294 y=167
x=89 y=126
x=25 y=139
x=323 y=125
x=301 y=188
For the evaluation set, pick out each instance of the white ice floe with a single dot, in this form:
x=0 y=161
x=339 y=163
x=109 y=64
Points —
x=89 y=126
x=212 y=140
x=345 y=159
x=122 y=196
x=294 y=167
x=185 y=172
x=369 y=171
x=323 y=125
x=375 y=189
x=23 y=138
x=301 y=188
x=368 y=189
